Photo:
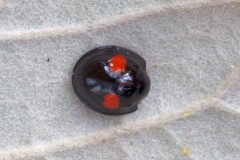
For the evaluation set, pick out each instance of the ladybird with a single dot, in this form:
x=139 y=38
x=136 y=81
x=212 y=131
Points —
x=111 y=80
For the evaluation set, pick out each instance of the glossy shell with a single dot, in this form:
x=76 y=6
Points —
x=111 y=80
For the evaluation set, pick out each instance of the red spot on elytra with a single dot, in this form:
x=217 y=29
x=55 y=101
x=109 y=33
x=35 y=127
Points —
x=118 y=63
x=111 y=101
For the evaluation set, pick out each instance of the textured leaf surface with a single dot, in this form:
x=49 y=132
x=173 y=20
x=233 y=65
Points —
x=192 y=49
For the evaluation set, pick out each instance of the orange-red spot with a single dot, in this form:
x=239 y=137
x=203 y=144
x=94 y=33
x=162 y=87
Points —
x=111 y=101
x=118 y=63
